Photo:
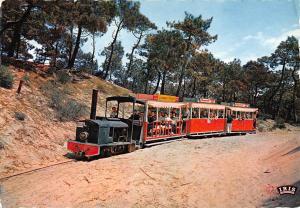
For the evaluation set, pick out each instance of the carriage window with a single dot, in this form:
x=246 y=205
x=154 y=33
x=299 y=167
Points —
x=243 y=115
x=203 y=113
x=213 y=113
x=195 y=113
x=238 y=114
x=185 y=113
x=234 y=114
x=251 y=115
x=174 y=113
x=162 y=114
x=220 y=113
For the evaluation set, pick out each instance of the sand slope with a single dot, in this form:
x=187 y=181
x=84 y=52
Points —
x=240 y=171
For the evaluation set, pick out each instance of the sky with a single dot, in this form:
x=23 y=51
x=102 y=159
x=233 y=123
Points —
x=246 y=29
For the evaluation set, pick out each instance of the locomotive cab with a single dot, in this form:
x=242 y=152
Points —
x=106 y=136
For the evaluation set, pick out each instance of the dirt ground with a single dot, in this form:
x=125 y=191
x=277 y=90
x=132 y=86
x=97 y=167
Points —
x=237 y=171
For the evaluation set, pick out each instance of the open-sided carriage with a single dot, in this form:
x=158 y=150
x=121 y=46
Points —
x=146 y=119
x=206 y=119
x=244 y=119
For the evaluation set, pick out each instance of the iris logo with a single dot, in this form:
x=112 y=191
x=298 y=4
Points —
x=287 y=190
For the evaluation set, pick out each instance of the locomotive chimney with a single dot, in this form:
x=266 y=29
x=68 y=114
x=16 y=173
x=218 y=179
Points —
x=94 y=104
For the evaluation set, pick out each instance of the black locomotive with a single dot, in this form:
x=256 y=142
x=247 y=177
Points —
x=107 y=136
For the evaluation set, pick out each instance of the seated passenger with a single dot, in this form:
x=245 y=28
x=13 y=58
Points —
x=162 y=117
x=174 y=122
x=151 y=117
x=187 y=113
x=194 y=114
x=114 y=113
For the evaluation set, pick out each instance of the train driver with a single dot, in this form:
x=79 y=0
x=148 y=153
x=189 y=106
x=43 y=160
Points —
x=114 y=113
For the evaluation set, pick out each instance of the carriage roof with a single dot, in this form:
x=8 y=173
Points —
x=241 y=109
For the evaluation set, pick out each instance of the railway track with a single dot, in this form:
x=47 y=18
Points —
x=34 y=170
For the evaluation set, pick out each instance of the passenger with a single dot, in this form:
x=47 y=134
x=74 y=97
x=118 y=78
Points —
x=168 y=124
x=220 y=114
x=141 y=114
x=174 y=122
x=187 y=113
x=194 y=114
x=151 y=120
x=204 y=114
x=114 y=112
x=162 y=117
x=229 y=122
x=151 y=117
x=135 y=115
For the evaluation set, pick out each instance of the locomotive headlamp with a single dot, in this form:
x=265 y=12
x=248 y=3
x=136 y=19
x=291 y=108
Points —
x=83 y=135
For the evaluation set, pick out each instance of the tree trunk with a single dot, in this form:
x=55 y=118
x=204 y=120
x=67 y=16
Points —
x=112 y=50
x=157 y=84
x=294 y=93
x=277 y=112
x=131 y=55
x=76 y=48
x=194 y=88
x=162 y=89
x=71 y=44
x=183 y=68
x=93 y=53
x=276 y=90
x=18 y=30
x=147 y=80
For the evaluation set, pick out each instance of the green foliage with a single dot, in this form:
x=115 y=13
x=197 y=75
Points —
x=116 y=66
x=279 y=123
x=63 y=76
x=66 y=109
x=6 y=78
x=26 y=78
x=171 y=60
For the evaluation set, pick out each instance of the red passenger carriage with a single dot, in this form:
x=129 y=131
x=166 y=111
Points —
x=206 y=118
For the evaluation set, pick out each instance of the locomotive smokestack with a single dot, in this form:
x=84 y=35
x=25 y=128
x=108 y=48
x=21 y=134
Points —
x=94 y=104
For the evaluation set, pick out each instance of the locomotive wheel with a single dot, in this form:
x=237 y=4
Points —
x=130 y=147
x=79 y=155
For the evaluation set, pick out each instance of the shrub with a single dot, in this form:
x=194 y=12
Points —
x=6 y=78
x=20 y=116
x=63 y=76
x=26 y=78
x=70 y=110
x=279 y=123
x=66 y=109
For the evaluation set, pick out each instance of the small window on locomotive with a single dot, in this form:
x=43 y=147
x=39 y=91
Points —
x=195 y=112
x=203 y=113
x=111 y=132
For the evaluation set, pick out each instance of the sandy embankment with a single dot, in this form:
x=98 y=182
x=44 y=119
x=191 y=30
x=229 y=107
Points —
x=240 y=171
